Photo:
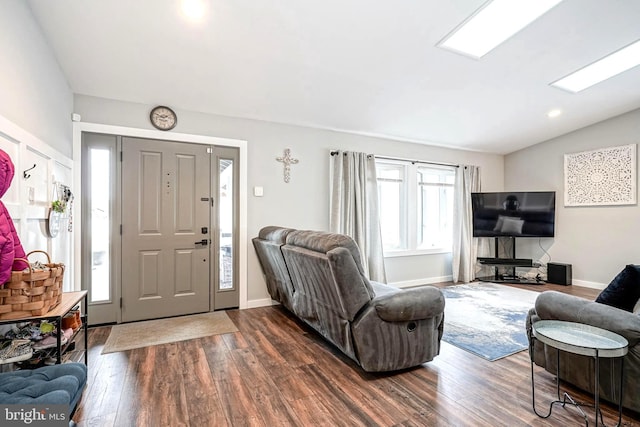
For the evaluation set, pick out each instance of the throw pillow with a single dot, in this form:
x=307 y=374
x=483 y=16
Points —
x=512 y=225
x=499 y=223
x=624 y=290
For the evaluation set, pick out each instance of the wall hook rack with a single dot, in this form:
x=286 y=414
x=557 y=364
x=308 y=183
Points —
x=26 y=175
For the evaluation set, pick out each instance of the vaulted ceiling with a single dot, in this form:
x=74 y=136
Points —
x=369 y=67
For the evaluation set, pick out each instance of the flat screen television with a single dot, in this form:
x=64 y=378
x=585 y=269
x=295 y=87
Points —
x=514 y=214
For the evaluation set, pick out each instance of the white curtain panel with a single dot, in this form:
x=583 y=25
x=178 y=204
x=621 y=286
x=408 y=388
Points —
x=354 y=208
x=465 y=246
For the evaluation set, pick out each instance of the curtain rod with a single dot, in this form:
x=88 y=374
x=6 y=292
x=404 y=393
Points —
x=333 y=153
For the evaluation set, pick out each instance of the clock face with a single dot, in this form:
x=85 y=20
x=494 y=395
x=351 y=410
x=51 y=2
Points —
x=163 y=118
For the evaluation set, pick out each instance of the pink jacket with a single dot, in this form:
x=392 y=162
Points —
x=10 y=246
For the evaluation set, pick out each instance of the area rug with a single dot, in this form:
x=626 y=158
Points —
x=162 y=331
x=487 y=319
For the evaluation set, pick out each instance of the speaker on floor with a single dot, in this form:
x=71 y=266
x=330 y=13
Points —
x=557 y=273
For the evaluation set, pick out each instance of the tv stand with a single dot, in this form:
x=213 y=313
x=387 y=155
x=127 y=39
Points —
x=512 y=262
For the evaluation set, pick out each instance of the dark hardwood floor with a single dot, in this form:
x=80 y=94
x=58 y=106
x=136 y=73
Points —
x=277 y=372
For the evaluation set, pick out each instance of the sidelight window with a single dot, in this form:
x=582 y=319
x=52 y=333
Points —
x=100 y=219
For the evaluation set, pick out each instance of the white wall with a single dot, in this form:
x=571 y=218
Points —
x=304 y=202
x=36 y=97
x=29 y=197
x=35 y=128
x=34 y=93
x=597 y=241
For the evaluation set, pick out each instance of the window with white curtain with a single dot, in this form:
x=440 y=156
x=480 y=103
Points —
x=416 y=207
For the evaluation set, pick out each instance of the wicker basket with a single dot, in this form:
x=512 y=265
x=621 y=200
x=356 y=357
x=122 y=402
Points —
x=32 y=293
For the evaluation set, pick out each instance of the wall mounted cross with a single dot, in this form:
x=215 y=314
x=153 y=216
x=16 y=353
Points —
x=287 y=161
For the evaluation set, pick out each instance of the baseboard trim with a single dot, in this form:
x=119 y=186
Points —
x=418 y=282
x=264 y=302
x=587 y=284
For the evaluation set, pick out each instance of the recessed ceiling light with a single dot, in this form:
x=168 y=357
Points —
x=603 y=69
x=194 y=10
x=494 y=23
x=554 y=113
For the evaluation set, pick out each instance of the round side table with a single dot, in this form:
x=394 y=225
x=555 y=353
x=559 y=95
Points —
x=585 y=340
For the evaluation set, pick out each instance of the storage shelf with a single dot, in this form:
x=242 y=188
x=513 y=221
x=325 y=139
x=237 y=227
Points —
x=70 y=300
x=511 y=263
x=506 y=262
x=509 y=280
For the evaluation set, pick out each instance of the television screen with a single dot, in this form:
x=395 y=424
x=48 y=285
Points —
x=516 y=214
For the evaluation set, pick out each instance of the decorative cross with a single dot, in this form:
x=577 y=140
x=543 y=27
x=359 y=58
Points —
x=287 y=160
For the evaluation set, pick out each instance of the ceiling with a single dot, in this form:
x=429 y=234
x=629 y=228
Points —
x=369 y=67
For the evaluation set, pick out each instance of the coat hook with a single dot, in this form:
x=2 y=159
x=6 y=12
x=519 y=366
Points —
x=26 y=175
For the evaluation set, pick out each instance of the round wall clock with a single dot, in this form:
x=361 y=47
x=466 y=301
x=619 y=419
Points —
x=163 y=118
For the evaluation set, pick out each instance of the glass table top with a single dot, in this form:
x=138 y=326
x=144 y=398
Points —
x=580 y=339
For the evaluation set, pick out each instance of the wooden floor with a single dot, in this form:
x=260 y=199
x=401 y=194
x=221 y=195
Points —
x=277 y=372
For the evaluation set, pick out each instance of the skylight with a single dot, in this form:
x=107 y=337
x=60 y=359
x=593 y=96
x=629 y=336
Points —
x=494 y=23
x=607 y=67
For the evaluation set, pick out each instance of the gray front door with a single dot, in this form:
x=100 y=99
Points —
x=166 y=214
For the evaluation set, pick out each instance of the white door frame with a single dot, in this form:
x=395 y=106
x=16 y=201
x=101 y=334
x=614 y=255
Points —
x=79 y=127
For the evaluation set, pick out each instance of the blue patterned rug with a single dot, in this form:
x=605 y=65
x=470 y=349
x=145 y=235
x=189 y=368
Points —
x=487 y=319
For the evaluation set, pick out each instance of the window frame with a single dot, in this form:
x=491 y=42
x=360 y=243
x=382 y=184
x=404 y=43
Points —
x=403 y=198
x=409 y=210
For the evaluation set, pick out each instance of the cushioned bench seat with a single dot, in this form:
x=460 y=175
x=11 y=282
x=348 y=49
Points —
x=54 y=385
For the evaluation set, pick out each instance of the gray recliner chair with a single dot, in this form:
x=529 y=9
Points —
x=380 y=327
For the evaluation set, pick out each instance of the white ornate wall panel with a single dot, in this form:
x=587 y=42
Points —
x=601 y=177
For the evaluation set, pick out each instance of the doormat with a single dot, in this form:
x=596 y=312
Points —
x=487 y=319
x=162 y=331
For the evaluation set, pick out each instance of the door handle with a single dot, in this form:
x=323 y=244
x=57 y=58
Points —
x=203 y=242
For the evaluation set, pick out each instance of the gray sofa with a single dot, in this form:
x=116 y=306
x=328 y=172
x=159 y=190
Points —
x=318 y=276
x=578 y=370
x=267 y=246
